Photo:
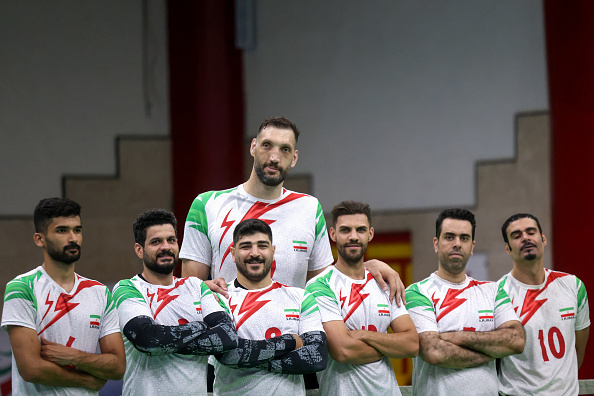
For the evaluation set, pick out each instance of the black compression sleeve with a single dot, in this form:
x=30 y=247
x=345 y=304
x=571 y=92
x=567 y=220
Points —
x=220 y=337
x=252 y=353
x=310 y=358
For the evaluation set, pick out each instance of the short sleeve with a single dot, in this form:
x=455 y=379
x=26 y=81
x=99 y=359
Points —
x=504 y=310
x=20 y=305
x=325 y=299
x=196 y=243
x=109 y=322
x=309 y=316
x=209 y=303
x=420 y=309
x=321 y=254
x=583 y=310
x=129 y=302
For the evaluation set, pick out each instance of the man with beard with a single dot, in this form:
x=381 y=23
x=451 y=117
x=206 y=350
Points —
x=281 y=335
x=56 y=318
x=297 y=220
x=170 y=324
x=553 y=307
x=463 y=324
x=356 y=314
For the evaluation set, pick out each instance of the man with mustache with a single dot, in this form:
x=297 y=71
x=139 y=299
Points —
x=463 y=324
x=281 y=335
x=356 y=314
x=170 y=324
x=56 y=318
x=297 y=220
x=553 y=307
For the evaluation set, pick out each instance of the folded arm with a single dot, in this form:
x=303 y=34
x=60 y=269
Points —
x=402 y=343
x=438 y=352
x=346 y=349
x=507 y=339
x=33 y=368
x=193 y=338
x=310 y=358
x=253 y=353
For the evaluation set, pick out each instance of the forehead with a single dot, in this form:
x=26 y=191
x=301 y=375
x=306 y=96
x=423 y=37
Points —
x=521 y=224
x=277 y=135
x=73 y=221
x=455 y=226
x=352 y=220
x=159 y=231
x=254 y=238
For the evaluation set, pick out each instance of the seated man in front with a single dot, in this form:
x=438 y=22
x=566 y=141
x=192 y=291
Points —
x=281 y=334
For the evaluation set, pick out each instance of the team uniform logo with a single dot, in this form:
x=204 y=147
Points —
x=292 y=314
x=567 y=313
x=383 y=310
x=300 y=246
x=95 y=321
x=198 y=306
x=485 y=315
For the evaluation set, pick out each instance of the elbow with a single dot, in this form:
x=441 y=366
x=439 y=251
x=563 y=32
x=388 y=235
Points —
x=29 y=374
x=118 y=372
x=413 y=350
x=434 y=359
x=518 y=346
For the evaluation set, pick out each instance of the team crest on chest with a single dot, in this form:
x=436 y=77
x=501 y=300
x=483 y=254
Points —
x=94 y=321
x=300 y=246
x=567 y=313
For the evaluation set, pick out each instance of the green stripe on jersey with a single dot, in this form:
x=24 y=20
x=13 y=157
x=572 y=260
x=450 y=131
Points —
x=502 y=296
x=204 y=290
x=582 y=294
x=321 y=222
x=124 y=290
x=197 y=212
x=22 y=287
x=414 y=298
x=110 y=303
x=320 y=287
x=308 y=306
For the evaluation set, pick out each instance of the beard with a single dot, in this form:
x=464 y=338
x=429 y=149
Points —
x=351 y=258
x=271 y=181
x=62 y=255
x=255 y=276
x=164 y=269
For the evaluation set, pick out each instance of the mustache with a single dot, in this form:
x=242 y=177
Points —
x=254 y=260
x=72 y=245
x=527 y=244
x=165 y=253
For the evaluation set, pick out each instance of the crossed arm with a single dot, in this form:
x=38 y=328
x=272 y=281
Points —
x=43 y=364
x=215 y=335
x=463 y=349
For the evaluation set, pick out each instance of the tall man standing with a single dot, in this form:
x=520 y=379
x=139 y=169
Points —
x=169 y=324
x=281 y=335
x=463 y=324
x=553 y=307
x=356 y=314
x=57 y=319
x=297 y=220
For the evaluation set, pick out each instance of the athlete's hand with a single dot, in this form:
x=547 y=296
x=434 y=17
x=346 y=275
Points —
x=58 y=353
x=218 y=286
x=383 y=273
x=299 y=341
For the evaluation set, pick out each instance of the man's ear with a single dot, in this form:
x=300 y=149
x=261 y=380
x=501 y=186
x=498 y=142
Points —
x=435 y=244
x=138 y=249
x=253 y=147
x=39 y=239
x=507 y=248
x=295 y=157
x=371 y=233
x=332 y=234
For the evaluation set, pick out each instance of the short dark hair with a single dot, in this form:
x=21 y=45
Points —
x=280 y=123
x=515 y=217
x=456 y=214
x=151 y=218
x=50 y=208
x=350 y=208
x=251 y=227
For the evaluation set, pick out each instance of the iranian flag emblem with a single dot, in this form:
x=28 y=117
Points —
x=292 y=314
x=300 y=246
x=94 y=321
x=383 y=309
x=567 y=313
x=198 y=307
x=485 y=315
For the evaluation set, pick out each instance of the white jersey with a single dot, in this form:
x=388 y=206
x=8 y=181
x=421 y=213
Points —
x=297 y=223
x=186 y=300
x=435 y=304
x=77 y=319
x=362 y=305
x=551 y=314
x=263 y=314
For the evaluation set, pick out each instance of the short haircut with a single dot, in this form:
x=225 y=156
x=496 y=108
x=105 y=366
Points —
x=50 y=208
x=151 y=218
x=456 y=214
x=350 y=208
x=515 y=217
x=280 y=123
x=251 y=227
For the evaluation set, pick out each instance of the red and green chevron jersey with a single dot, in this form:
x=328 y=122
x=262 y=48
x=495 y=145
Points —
x=298 y=231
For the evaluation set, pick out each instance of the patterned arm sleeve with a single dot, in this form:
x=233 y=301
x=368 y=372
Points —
x=194 y=338
x=310 y=358
x=254 y=353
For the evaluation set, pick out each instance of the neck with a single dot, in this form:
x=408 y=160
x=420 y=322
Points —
x=157 y=279
x=62 y=274
x=257 y=189
x=529 y=272
x=454 y=278
x=353 y=271
x=248 y=284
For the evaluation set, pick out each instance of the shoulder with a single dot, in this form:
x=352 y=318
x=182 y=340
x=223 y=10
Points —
x=209 y=196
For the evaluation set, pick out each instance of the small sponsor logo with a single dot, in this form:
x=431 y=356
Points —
x=300 y=246
x=485 y=315
x=198 y=306
x=383 y=310
x=292 y=314
x=567 y=313
x=95 y=321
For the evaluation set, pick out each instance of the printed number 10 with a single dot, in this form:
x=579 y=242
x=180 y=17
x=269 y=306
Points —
x=551 y=339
